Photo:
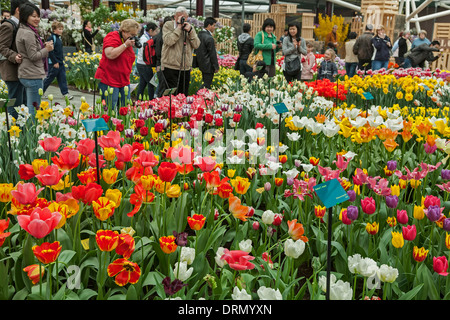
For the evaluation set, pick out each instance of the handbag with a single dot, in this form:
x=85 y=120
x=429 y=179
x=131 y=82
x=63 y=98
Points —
x=292 y=67
x=91 y=44
x=253 y=58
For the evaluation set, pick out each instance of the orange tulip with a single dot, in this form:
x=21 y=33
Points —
x=196 y=222
x=296 y=230
x=107 y=240
x=33 y=272
x=390 y=144
x=238 y=210
x=168 y=244
x=47 y=252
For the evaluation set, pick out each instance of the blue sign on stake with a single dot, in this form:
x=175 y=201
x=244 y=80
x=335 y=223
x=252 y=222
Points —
x=331 y=193
x=96 y=125
x=280 y=108
x=368 y=95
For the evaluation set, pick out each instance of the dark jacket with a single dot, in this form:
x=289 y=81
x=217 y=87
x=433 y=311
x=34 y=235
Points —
x=57 y=55
x=383 y=50
x=8 y=67
x=88 y=38
x=157 y=40
x=245 y=46
x=421 y=53
x=363 y=47
x=206 y=53
x=327 y=70
x=402 y=47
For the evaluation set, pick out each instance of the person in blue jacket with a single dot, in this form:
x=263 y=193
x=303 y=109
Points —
x=328 y=69
x=383 y=46
x=56 y=67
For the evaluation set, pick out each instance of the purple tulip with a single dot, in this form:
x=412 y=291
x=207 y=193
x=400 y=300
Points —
x=446 y=224
x=352 y=212
x=391 y=165
x=392 y=201
x=352 y=195
x=433 y=213
x=445 y=174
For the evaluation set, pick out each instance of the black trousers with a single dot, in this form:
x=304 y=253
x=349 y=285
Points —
x=177 y=79
x=367 y=63
x=207 y=80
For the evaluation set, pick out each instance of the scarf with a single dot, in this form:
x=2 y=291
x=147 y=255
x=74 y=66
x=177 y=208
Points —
x=88 y=29
x=36 y=33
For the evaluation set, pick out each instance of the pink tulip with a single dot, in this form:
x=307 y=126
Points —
x=26 y=193
x=68 y=159
x=402 y=216
x=368 y=205
x=124 y=153
x=409 y=232
x=86 y=146
x=146 y=159
x=50 y=144
x=341 y=163
x=40 y=222
x=50 y=175
x=440 y=265
x=93 y=162
x=205 y=164
x=238 y=260
x=111 y=140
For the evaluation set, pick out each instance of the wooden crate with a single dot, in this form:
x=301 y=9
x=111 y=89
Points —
x=376 y=19
x=283 y=8
x=388 y=6
x=279 y=18
x=252 y=30
x=224 y=21
x=441 y=31
x=357 y=26
x=308 y=26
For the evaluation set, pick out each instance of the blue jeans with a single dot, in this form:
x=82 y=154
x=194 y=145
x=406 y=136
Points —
x=145 y=75
x=378 y=64
x=16 y=90
x=32 y=87
x=350 y=68
x=112 y=100
x=60 y=75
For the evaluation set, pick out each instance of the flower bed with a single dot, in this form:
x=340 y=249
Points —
x=226 y=210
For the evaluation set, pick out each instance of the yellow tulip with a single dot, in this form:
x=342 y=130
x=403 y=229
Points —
x=397 y=239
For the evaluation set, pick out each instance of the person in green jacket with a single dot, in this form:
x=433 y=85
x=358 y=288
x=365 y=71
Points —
x=269 y=45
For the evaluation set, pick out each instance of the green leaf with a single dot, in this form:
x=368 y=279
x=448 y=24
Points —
x=412 y=293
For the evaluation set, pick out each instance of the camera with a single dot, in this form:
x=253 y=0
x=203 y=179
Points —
x=137 y=44
x=298 y=39
x=182 y=20
x=278 y=42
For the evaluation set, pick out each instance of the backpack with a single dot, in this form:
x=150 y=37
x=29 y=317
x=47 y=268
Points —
x=149 y=53
x=16 y=27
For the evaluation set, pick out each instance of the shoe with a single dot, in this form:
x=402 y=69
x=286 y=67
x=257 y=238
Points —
x=68 y=96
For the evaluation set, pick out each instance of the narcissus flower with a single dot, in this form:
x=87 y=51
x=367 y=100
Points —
x=168 y=244
x=47 y=252
x=107 y=240
x=33 y=272
x=196 y=222
x=125 y=271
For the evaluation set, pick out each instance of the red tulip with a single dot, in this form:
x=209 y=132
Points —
x=146 y=159
x=4 y=224
x=40 y=222
x=167 y=171
x=409 y=232
x=47 y=252
x=431 y=201
x=368 y=205
x=125 y=271
x=50 y=175
x=402 y=216
x=26 y=172
x=87 y=194
x=159 y=127
x=205 y=163
x=440 y=265
x=125 y=246
x=26 y=193
x=236 y=117
x=85 y=146
x=50 y=144
x=238 y=260
x=111 y=140
x=33 y=272
x=68 y=159
x=124 y=153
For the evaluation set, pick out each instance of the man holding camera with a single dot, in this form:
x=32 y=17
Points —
x=206 y=52
x=117 y=62
x=179 y=41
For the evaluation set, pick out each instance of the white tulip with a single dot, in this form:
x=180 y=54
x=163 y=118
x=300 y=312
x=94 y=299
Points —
x=245 y=245
x=265 y=293
x=387 y=273
x=181 y=271
x=268 y=216
x=294 y=249
x=187 y=255
x=240 y=294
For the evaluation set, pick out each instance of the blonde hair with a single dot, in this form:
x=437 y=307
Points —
x=129 y=24
x=332 y=53
x=57 y=25
x=380 y=27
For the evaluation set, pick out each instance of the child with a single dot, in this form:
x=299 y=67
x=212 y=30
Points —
x=259 y=70
x=308 y=62
x=56 y=67
x=328 y=69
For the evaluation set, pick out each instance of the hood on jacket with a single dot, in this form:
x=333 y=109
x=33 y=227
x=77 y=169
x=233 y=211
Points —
x=243 y=37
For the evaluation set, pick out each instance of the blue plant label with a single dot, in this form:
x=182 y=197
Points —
x=280 y=107
x=92 y=125
x=368 y=95
x=331 y=193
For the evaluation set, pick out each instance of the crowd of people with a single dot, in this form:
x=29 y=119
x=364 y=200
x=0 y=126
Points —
x=28 y=65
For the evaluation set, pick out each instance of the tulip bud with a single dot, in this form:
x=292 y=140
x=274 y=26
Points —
x=50 y=97
x=41 y=92
x=255 y=225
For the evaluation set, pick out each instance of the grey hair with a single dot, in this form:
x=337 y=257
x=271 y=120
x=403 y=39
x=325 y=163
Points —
x=181 y=10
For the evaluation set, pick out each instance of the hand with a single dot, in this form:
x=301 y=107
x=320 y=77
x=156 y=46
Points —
x=18 y=58
x=274 y=45
x=56 y=65
x=187 y=27
x=129 y=43
x=158 y=68
x=49 y=45
x=98 y=28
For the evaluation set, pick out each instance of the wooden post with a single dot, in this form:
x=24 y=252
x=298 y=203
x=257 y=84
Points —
x=215 y=8
x=199 y=5
x=143 y=6
x=45 y=4
x=95 y=4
